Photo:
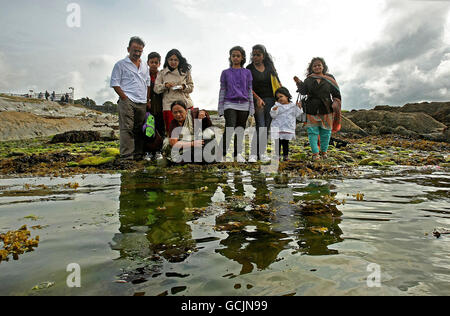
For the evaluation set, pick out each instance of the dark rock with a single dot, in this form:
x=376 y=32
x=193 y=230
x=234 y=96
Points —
x=440 y=111
x=416 y=123
x=76 y=137
x=387 y=108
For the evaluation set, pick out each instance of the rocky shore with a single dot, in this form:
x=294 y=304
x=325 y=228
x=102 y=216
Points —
x=40 y=138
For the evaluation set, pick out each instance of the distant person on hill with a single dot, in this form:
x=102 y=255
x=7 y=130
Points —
x=46 y=95
x=154 y=62
x=53 y=96
x=235 y=102
x=66 y=98
x=265 y=83
x=323 y=105
x=175 y=83
x=130 y=79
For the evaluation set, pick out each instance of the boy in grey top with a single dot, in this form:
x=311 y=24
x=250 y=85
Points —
x=130 y=79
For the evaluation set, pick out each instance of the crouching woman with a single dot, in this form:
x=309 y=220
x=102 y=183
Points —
x=189 y=133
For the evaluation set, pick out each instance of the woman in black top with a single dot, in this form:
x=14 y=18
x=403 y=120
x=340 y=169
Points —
x=264 y=73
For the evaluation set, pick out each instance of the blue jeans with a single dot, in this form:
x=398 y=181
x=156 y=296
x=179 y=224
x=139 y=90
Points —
x=262 y=119
x=313 y=135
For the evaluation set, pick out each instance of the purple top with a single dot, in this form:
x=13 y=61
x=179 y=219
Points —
x=236 y=88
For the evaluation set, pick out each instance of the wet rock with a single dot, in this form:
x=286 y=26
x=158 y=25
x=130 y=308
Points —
x=73 y=137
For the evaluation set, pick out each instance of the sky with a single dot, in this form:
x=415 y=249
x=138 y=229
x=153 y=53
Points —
x=381 y=52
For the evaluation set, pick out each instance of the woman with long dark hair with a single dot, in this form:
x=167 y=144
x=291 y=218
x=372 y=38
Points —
x=323 y=105
x=265 y=83
x=175 y=83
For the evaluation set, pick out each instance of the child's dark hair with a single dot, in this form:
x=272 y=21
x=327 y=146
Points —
x=242 y=51
x=284 y=91
x=309 y=71
x=180 y=103
x=154 y=55
x=183 y=66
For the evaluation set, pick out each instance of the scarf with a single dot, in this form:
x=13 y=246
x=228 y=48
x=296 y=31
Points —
x=337 y=103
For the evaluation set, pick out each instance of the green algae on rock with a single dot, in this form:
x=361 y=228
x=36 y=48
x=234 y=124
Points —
x=95 y=161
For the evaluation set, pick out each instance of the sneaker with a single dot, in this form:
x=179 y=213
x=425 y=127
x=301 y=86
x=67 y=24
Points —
x=264 y=158
x=148 y=157
x=240 y=158
x=158 y=156
x=252 y=159
x=315 y=157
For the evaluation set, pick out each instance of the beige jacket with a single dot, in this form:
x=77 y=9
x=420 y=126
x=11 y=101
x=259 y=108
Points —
x=170 y=95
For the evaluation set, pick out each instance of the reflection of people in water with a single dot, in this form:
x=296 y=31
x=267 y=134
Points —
x=257 y=234
x=143 y=207
x=251 y=239
x=260 y=248
x=317 y=232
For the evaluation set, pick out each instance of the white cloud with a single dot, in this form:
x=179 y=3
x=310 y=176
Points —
x=360 y=40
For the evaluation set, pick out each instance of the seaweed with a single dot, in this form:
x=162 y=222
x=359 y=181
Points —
x=16 y=243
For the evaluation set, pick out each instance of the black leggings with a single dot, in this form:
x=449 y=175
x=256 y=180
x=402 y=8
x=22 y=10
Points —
x=234 y=118
x=285 y=144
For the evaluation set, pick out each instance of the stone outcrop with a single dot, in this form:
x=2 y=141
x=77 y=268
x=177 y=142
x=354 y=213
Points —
x=440 y=111
x=416 y=125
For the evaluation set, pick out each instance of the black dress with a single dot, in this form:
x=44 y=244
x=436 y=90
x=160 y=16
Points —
x=318 y=95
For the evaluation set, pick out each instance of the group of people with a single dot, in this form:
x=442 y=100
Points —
x=64 y=97
x=157 y=114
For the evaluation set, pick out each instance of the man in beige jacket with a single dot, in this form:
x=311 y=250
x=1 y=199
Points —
x=130 y=79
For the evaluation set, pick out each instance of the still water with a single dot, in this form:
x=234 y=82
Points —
x=231 y=233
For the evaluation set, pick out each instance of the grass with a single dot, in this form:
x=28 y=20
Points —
x=21 y=99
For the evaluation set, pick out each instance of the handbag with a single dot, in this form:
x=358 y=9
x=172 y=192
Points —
x=275 y=83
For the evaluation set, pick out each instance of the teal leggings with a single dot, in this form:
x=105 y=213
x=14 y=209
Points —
x=325 y=136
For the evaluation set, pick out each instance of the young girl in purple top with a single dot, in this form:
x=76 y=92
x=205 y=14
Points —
x=235 y=101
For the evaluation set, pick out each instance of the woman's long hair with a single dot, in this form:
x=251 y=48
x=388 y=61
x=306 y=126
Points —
x=183 y=66
x=268 y=61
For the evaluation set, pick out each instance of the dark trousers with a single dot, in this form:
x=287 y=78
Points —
x=235 y=119
x=283 y=143
x=159 y=124
x=262 y=120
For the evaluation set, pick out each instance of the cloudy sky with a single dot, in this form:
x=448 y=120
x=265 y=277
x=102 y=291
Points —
x=380 y=51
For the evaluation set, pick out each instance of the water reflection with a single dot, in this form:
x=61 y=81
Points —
x=154 y=207
x=316 y=233
x=261 y=217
